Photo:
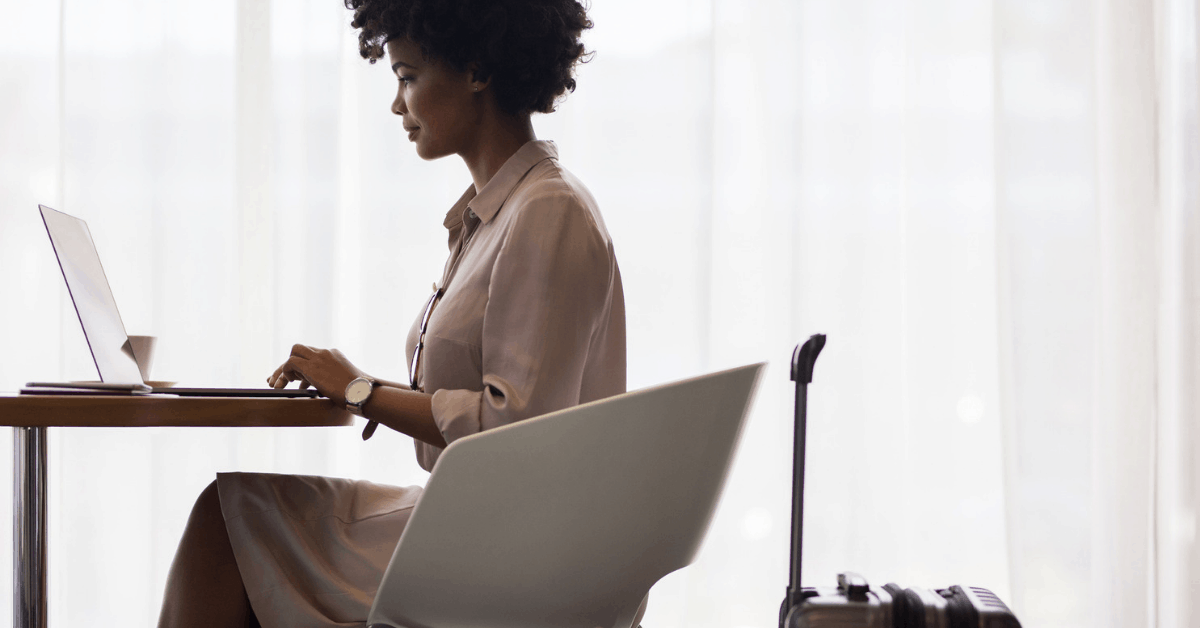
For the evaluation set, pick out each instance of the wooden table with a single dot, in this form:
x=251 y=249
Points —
x=30 y=415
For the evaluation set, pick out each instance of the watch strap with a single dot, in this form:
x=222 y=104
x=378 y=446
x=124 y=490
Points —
x=356 y=408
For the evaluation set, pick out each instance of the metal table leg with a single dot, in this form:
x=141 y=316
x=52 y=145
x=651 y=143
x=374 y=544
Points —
x=29 y=527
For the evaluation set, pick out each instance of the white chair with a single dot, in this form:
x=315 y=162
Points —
x=566 y=520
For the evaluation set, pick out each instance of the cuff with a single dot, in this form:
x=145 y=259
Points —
x=456 y=413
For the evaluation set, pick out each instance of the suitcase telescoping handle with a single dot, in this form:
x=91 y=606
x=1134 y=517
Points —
x=803 y=359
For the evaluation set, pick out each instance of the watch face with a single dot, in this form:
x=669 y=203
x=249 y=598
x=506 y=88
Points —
x=358 y=391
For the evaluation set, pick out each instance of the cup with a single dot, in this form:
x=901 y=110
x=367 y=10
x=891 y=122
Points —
x=143 y=353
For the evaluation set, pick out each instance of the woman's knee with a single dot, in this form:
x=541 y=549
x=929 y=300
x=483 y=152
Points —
x=207 y=506
x=210 y=492
x=205 y=537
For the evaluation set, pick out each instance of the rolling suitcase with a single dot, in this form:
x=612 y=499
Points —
x=853 y=602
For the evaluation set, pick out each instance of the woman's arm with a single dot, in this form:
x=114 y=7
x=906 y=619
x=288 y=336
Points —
x=406 y=411
x=384 y=382
x=391 y=404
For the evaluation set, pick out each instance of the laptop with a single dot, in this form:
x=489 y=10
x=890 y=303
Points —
x=102 y=326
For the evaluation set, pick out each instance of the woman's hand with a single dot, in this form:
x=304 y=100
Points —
x=327 y=370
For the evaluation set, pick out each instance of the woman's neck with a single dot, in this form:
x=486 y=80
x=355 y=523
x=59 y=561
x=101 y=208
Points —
x=499 y=138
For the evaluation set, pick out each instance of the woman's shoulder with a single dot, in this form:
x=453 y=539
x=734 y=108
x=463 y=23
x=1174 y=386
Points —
x=549 y=188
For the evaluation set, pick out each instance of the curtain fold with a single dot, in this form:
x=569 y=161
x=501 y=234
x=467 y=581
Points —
x=1179 y=318
x=1127 y=201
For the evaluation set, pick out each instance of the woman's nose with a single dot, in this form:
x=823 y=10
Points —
x=398 y=107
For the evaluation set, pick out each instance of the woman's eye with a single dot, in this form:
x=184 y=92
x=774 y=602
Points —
x=406 y=79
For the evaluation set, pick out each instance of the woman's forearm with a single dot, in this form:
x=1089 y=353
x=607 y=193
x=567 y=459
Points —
x=405 y=411
x=384 y=382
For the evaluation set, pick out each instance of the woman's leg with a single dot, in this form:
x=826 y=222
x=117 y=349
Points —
x=204 y=587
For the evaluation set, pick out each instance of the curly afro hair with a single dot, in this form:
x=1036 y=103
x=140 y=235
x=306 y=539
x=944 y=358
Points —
x=528 y=47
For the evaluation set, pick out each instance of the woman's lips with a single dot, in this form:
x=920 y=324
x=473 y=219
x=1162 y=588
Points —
x=412 y=133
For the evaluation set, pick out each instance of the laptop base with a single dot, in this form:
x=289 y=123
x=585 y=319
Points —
x=105 y=388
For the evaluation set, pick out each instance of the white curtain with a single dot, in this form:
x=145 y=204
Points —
x=991 y=208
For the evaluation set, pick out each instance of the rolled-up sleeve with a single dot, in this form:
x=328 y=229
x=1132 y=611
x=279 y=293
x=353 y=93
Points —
x=550 y=292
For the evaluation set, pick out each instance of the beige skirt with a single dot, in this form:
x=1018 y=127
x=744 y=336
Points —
x=312 y=550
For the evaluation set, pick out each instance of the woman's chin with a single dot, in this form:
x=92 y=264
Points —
x=429 y=153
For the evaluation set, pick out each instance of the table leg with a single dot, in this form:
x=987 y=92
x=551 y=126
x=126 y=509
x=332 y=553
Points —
x=29 y=527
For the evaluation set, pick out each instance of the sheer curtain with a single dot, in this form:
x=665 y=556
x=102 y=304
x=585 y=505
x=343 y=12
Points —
x=989 y=207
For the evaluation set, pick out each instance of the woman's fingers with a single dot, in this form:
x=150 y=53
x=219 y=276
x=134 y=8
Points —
x=303 y=351
x=274 y=376
x=327 y=370
x=278 y=379
x=287 y=373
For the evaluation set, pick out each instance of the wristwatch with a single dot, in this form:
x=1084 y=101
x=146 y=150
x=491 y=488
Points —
x=358 y=392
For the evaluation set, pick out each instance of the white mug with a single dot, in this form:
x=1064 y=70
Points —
x=143 y=353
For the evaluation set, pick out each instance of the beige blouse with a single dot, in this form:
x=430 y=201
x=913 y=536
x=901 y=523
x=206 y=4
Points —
x=532 y=321
x=533 y=317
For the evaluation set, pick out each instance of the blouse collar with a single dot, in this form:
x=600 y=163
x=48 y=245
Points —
x=487 y=203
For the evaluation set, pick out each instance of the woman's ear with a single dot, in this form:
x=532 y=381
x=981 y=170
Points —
x=480 y=78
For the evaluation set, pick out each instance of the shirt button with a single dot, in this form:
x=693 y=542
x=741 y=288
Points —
x=471 y=213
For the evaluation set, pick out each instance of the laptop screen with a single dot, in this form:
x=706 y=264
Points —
x=93 y=299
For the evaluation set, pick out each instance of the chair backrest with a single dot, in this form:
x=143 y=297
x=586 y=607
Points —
x=566 y=520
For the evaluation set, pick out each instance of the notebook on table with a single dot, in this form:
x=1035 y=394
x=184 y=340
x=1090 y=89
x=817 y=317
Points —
x=102 y=326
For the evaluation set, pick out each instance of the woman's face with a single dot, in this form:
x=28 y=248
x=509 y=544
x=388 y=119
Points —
x=439 y=106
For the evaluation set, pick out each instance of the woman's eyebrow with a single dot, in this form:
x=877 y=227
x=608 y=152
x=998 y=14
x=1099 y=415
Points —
x=401 y=63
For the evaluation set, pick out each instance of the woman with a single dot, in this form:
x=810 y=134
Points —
x=527 y=318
